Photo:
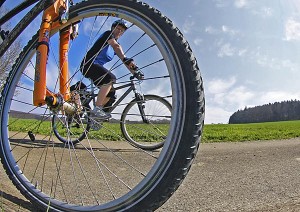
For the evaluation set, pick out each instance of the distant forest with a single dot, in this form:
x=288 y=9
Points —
x=278 y=111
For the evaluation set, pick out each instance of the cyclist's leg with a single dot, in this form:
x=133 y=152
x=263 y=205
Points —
x=112 y=98
x=103 y=79
x=75 y=94
x=102 y=98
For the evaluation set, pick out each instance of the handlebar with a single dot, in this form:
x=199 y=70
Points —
x=137 y=73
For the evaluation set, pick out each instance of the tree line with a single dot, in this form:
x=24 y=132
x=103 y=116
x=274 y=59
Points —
x=278 y=111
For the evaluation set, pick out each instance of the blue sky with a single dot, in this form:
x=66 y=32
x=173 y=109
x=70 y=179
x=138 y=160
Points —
x=248 y=50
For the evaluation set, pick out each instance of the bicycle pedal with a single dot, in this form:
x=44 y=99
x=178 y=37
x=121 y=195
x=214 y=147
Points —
x=95 y=125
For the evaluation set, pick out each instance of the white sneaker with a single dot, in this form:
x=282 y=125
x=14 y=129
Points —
x=99 y=113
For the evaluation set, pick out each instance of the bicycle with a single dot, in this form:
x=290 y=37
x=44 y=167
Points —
x=95 y=175
x=144 y=120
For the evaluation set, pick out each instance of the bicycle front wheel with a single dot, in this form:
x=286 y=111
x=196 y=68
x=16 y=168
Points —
x=71 y=128
x=104 y=172
x=145 y=124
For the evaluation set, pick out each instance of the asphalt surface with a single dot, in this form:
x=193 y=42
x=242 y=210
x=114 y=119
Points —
x=249 y=176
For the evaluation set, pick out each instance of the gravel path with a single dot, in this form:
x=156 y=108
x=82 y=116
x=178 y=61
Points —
x=249 y=176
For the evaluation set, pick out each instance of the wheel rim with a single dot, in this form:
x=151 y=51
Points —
x=152 y=134
x=156 y=163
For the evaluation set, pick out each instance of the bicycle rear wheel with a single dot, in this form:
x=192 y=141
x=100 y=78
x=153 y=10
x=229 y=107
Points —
x=149 y=134
x=98 y=175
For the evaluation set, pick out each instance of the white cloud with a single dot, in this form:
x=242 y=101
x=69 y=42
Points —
x=92 y=27
x=52 y=76
x=237 y=3
x=232 y=98
x=216 y=115
x=226 y=50
x=211 y=30
x=292 y=30
x=239 y=96
x=289 y=65
x=219 y=107
x=241 y=3
x=188 y=25
x=220 y=3
x=228 y=30
x=276 y=96
x=217 y=86
x=279 y=64
x=242 y=52
x=197 y=2
x=198 y=41
x=224 y=97
x=266 y=12
x=224 y=29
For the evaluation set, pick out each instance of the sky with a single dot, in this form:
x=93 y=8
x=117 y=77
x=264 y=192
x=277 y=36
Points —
x=247 y=50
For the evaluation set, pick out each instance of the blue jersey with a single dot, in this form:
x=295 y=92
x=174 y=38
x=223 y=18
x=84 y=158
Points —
x=105 y=55
x=101 y=52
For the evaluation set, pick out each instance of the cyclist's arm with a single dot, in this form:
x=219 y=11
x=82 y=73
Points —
x=117 y=48
x=120 y=53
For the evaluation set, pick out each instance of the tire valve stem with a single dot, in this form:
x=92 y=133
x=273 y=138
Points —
x=31 y=136
x=36 y=184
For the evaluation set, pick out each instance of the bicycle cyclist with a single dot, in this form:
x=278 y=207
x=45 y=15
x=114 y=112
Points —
x=100 y=53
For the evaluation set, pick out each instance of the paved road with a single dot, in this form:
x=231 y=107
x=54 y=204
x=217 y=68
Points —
x=250 y=176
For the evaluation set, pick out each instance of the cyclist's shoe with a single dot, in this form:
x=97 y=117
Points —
x=95 y=125
x=98 y=113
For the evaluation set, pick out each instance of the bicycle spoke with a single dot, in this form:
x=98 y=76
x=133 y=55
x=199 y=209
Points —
x=63 y=157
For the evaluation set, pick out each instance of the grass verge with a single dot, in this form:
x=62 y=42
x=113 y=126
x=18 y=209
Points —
x=251 y=132
x=212 y=132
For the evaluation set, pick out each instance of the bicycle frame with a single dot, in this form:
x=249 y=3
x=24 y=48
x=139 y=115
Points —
x=53 y=10
x=51 y=20
x=131 y=86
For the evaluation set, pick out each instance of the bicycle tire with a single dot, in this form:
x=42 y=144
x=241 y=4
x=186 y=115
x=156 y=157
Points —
x=158 y=115
x=167 y=168
x=62 y=127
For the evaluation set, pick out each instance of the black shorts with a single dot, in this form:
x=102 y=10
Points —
x=99 y=74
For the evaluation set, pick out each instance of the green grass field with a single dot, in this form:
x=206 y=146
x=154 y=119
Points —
x=251 y=132
x=212 y=132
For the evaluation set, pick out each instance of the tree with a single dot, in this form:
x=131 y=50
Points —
x=278 y=111
x=9 y=57
x=7 y=61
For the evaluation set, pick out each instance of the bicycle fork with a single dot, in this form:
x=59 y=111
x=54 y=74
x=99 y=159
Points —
x=140 y=102
x=52 y=18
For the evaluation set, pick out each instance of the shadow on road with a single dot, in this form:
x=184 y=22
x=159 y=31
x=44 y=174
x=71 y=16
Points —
x=15 y=200
x=27 y=143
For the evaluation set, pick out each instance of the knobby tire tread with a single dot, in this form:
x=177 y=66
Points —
x=179 y=168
